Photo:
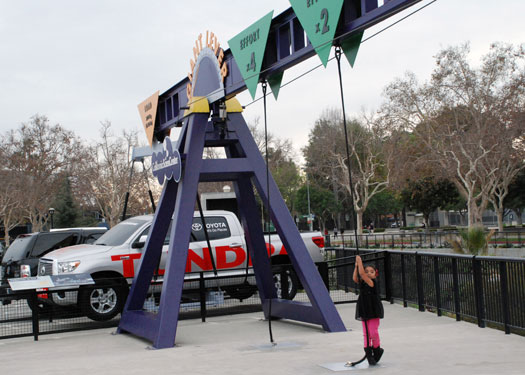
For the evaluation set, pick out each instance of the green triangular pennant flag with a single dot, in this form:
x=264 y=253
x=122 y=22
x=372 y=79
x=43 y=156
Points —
x=319 y=19
x=351 y=46
x=248 y=50
x=275 y=83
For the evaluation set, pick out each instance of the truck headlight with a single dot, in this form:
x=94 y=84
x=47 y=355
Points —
x=25 y=270
x=65 y=267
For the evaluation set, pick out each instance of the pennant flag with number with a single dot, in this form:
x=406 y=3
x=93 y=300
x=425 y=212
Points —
x=351 y=46
x=248 y=50
x=319 y=19
x=275 y=83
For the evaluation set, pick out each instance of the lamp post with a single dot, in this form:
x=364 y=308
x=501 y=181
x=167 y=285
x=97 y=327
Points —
x=310 y=223
x=51 y=212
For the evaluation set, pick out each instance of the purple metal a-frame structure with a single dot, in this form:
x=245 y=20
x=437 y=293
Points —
x=244 y=166
x=214 y=119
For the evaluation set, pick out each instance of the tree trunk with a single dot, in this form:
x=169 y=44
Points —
x=426 y=219
x=474 y=214
x=6 y=236
x=359 y=214
x=499 y=214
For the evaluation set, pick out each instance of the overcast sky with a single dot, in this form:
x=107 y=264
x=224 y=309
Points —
x=83 y=62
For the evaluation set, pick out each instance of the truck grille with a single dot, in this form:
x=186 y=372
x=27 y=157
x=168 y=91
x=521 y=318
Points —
x=45 y=268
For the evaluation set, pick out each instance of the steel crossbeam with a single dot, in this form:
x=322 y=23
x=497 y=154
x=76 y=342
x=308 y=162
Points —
x=287 y=46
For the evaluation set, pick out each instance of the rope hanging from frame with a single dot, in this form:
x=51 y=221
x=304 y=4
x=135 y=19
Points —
x=267 y=221
x=338 y=52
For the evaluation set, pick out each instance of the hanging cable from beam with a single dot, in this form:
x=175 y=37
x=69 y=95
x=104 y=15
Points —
x=267 y=222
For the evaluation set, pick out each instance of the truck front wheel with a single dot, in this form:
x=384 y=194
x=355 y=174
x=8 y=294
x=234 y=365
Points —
x=104 y=300
x=285 y=278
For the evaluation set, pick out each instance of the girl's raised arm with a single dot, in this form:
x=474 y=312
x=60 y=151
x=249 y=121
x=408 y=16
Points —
x=362 y=272
x=355 y=277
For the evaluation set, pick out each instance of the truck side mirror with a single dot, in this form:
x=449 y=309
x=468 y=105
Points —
x=140 y=243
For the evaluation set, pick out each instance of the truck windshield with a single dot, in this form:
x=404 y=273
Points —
x=19 y=248
x=120 y=233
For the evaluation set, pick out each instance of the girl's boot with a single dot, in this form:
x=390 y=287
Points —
x=378 y=352
x=370 y=356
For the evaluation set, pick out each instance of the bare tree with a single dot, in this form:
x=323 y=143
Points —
x=461 y=116
x=107 y=174
x=36 y=154
x=11 y=191
x=504 y=164
x=370 y=157
x=326 y=139
x=281 y=161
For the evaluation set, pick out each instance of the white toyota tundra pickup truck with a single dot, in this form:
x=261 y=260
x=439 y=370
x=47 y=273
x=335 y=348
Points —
x=113 y=259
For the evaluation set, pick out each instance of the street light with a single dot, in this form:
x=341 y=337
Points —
x=310 y=223
x=51 y=212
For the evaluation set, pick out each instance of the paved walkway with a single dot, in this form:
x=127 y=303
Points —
x=414 y=342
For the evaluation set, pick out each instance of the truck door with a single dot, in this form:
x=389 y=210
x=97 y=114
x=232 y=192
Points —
x=227 y=250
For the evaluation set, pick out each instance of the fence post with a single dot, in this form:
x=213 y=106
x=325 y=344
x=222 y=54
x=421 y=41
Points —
x=478 y=292
x=323 y=271
x=345 y=276
x=437 y=285
x=455 y=280
x=419 y=276
x=403 y=280
x=504 y=295
x=388 y=277
x=202 y=293
x=284 y=281
x=393 y=243
x=34 y=314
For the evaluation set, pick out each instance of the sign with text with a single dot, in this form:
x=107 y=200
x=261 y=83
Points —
x=73 y=279
x=248 y=50
x=166 y=164
x=25 y=283
x=319 y=20
x=148 y=113
x=41 y=282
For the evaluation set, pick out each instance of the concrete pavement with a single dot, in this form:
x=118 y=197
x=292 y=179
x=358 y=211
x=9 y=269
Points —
x=414 y=342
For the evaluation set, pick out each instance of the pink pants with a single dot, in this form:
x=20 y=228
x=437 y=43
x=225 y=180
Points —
x=373 y=332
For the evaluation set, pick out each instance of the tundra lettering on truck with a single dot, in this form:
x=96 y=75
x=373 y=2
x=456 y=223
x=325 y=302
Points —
x=112 y=261
x=203 y=262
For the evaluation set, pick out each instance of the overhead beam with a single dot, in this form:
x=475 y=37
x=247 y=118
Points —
x=286 y=47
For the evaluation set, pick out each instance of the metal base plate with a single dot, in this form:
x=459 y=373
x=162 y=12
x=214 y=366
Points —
x=285 y=345
x=340 y=366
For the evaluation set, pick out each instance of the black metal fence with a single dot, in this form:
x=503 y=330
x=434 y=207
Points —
x=483 y=289
x=486 y=290
x=27 y=314
x=421 y=239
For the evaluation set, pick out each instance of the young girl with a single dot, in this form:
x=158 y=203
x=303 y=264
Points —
x=369 y=309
